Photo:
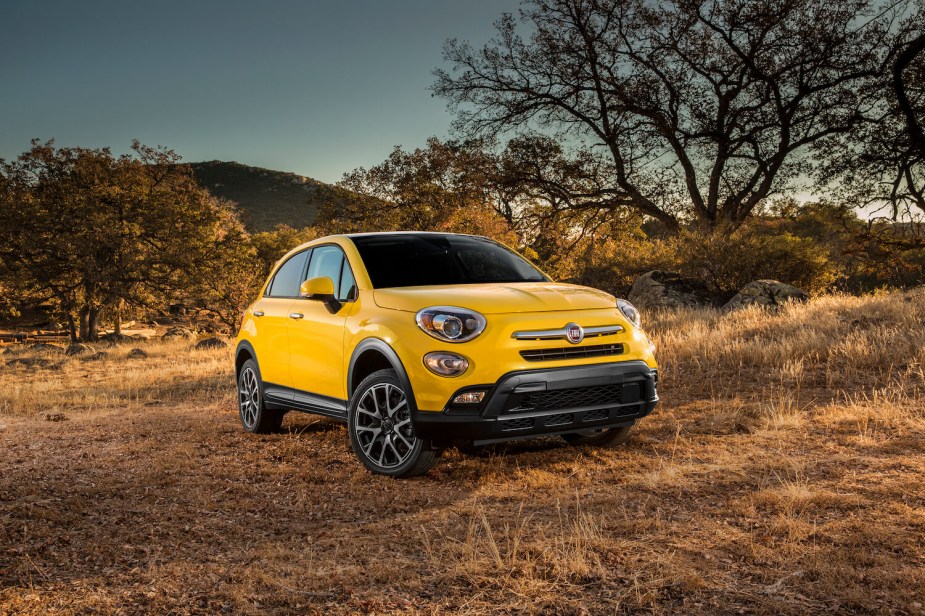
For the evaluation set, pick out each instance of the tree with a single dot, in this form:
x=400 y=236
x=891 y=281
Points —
x=91 y=231
x=442 y=187
x=694 y=110
x=880 y=164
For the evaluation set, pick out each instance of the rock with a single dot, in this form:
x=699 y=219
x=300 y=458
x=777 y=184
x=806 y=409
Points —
x=164 y=321
x=96 y=356
x=768 y=293
x=78 y=349
x=113 y=339
x=44 y=347
x=137 y=354
x=178 y=332
x=658 y=289
x=211 y=343
x=13 y=350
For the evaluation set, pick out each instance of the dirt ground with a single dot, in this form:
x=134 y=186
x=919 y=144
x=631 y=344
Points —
x=784 y=473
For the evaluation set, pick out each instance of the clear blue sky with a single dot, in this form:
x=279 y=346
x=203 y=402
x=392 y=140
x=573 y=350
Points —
x=313 y=87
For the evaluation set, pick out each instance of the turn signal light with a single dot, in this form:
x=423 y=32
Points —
x=469 y=397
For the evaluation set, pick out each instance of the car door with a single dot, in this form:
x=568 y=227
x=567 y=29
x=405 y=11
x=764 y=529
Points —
x=271 y=314
x=316 y=337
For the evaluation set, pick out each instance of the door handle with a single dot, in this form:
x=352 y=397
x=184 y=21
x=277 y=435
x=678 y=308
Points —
x=258 y=313
x=295 y=315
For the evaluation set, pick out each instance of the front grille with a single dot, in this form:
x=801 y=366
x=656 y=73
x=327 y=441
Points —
x=560 y=420
x=517 y=424
x=596 y=350
x=596 y=415
x=572 y=398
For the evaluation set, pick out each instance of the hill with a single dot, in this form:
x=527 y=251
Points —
x=268 y=198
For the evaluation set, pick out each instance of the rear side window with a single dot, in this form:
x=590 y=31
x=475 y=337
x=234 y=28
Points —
x=330 y=261
x=288 y=277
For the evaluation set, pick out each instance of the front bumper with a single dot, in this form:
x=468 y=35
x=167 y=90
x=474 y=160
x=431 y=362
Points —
x=530 y=403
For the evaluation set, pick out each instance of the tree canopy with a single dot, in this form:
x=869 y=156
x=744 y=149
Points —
x=89 y=231
x=686 y=110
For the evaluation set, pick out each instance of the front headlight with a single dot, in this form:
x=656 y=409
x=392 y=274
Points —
x=630 y=312
x=450 y=324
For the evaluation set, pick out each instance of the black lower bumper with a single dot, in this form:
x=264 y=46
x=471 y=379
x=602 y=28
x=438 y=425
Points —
x=531 y=403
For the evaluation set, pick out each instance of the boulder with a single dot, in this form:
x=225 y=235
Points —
x=137 y=354
x=767 y=293
x=178 y=332
x=114 y=339
x=211 y=343
x=78 y=348
x=659 y=289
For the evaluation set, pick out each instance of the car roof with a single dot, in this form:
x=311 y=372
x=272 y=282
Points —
x=389 y=233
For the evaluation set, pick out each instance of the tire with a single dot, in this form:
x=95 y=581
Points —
x=381 y=430
x=252 y=410
x=606 y=437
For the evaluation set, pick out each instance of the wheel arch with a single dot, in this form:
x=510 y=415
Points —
x=374 y=354
x=244 y=352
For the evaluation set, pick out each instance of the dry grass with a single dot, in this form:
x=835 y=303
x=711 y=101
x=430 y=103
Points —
x=783 y=473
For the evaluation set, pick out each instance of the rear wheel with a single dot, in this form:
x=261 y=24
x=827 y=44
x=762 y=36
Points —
x=254 y=414
x=381 y=432
x=603 y=437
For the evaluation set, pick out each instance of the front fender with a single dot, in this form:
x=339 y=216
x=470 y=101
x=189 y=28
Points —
x=381 y=346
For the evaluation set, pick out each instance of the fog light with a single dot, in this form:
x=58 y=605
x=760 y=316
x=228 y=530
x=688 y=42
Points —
x=469 y=397
x=446 y=364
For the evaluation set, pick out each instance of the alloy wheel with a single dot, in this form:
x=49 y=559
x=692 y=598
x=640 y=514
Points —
x=248 y=397
x=383 y=426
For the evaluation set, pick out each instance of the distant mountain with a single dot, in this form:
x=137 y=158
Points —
x=267 y=198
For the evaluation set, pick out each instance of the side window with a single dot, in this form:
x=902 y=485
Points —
x=288 y=277
x=330 y=261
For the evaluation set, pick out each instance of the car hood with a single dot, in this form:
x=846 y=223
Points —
x=497 y=298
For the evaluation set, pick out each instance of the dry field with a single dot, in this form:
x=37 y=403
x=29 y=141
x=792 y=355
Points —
x=784 y=473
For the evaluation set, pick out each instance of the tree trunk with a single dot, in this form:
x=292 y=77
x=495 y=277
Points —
x=89 y=323
x=117 y=326
x=93 y=323
x=72 y=327
x=905 y=59
x=84 y=316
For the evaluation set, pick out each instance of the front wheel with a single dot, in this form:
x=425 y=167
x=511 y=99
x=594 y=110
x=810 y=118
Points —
x=603 y=437
x=381 y=432
x=253 y=411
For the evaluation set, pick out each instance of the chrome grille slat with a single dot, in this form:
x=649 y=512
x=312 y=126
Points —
x=574 y=352
x=560 y=334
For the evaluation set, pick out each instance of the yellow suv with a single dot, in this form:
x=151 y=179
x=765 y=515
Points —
x=422 y=341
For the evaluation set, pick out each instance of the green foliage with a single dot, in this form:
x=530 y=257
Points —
x=728 y=262
x=90 y=232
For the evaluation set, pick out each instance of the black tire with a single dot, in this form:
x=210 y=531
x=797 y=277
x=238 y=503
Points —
x=605 y=437
x=252 y=410
x=381 y=429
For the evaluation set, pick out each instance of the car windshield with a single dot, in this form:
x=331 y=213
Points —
x=423 y=259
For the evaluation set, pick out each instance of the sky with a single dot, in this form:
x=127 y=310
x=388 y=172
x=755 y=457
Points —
x=314 y=87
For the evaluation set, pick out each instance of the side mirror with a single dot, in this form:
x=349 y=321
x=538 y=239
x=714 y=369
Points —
x=320 y=288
